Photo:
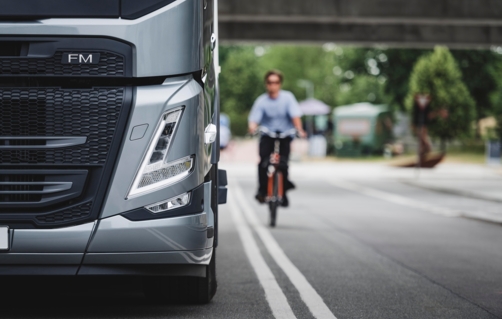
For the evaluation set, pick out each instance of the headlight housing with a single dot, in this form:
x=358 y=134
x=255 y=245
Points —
x=172 y=203
x=155 y=172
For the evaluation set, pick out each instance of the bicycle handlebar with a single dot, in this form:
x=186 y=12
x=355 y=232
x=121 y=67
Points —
x=271 y=134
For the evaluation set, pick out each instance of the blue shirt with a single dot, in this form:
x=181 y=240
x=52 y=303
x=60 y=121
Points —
x=275 y=114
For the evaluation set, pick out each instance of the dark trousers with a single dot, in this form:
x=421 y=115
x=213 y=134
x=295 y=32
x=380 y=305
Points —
x=266 y=148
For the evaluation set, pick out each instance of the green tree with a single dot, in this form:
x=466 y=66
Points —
x=304 y=62
x=340 y=74
x=498 y=117
x=344 y=75
x=396 y=66
x=479 y=69
x=393 y=66
x=496 y=99
x=363 y=88
x=438 y=75
x=240 y=84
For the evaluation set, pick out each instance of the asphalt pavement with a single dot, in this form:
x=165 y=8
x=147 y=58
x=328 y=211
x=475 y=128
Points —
x=356 y=242
x=383 y=249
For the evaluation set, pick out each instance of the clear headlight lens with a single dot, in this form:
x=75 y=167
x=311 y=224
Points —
x=154 y=171
x=173 y=203
x=166 y=172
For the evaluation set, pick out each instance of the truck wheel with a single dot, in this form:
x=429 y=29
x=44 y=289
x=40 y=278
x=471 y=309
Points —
x=182 y=290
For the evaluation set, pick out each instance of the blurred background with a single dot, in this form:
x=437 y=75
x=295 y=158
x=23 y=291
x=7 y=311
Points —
x=357 y=65
x=358 y=68
x=376 y=87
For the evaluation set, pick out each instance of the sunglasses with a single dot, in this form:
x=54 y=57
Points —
x=273 y=82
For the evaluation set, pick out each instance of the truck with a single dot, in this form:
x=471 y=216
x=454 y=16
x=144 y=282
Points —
x=109 y=118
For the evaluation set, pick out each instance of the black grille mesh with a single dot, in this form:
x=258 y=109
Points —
x=60 y=112
x=110 y=64
x=70 y=214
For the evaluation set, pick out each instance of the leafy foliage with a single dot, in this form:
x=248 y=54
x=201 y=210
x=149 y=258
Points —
x=496 y=98
x=345 y=75
x=240 y=84
x=333 y=70
x=480 y=72
x=304 y=62
x=392 y=67
x=363 y=88
x=497 y=112
x=397 y=68
x=498 y=129
x=438 y=75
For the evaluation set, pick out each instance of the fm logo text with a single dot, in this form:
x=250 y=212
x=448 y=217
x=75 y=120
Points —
x=81 y=58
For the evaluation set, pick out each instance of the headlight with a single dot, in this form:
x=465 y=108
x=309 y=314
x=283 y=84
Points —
x=155 y=172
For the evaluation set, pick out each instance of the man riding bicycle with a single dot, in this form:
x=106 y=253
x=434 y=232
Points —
x=277 y=111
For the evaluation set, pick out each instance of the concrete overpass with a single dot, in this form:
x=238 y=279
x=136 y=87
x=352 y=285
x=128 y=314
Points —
x=413 y=23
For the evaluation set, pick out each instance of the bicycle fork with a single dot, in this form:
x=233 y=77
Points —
x=275 y=189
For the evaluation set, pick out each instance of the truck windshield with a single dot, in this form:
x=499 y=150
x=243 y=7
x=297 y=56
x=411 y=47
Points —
x=41 y=9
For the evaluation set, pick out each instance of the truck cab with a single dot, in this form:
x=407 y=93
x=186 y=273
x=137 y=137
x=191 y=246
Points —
x=109 y=142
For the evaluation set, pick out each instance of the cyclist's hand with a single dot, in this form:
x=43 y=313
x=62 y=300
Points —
x=302 y=134
x=252 y=128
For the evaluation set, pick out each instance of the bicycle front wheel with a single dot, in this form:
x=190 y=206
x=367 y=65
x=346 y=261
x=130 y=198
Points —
x=273 y=212
x=274 y=203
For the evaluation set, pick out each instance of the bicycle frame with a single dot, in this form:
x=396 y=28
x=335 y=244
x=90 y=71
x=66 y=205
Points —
x=275 y=189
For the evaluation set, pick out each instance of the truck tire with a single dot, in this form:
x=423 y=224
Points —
x=182 y=290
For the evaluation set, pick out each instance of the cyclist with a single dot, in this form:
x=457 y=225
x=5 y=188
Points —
x=278 y=111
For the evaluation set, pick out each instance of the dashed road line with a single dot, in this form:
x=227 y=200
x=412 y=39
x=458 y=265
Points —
x=273 y=292
x=308 y=294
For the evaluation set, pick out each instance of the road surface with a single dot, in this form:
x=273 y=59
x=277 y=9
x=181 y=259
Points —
x=353 y=244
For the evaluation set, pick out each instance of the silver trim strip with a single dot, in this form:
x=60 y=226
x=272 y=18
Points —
x=51 y=142
x=4 y=238
x=49 y=187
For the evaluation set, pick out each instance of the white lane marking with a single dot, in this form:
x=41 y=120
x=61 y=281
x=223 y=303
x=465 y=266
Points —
x=273 y=293
x=308 y=294
x=393 y=198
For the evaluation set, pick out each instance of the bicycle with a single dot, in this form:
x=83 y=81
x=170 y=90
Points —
x=275 y=185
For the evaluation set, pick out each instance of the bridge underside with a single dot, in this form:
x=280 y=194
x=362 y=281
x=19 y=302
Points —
x=412 y=23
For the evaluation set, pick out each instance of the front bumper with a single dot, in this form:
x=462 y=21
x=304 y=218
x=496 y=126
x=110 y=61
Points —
x=114 y=246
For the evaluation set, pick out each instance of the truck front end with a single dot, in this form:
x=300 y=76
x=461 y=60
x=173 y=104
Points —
x=108 y=141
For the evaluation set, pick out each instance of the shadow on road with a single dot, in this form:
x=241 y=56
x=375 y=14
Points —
x=94 y=297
